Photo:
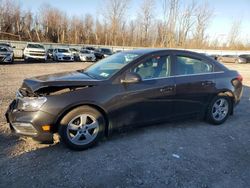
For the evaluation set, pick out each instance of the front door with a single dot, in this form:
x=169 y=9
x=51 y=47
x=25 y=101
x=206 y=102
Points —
x=151 y=99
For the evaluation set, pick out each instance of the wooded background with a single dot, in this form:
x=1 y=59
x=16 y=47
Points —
x=181 y=26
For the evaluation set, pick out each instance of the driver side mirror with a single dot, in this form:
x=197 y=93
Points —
x=130 y=78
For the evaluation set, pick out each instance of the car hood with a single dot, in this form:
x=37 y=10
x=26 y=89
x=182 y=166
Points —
x=35 y=49
x=64 y=54
x=83 y=54
x=59 y=80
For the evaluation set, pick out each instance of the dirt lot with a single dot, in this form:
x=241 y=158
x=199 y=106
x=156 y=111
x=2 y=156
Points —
x=188 y=153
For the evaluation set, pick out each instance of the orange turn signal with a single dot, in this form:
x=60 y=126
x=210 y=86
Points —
x=46 y=128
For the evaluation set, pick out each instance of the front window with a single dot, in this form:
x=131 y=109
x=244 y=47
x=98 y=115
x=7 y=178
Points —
x=154 y=67
x=35 y=46
x=107 y=67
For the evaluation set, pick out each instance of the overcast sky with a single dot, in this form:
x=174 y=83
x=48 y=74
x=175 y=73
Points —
x=225 y=11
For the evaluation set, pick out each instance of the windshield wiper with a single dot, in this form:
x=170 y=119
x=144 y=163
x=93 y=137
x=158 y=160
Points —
x=91 y=76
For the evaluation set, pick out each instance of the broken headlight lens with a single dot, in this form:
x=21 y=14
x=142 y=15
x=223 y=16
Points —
x=30 y=104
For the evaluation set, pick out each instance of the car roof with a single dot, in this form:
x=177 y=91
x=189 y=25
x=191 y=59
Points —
x=157 y=50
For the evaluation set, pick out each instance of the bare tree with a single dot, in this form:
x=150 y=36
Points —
x=234 y=33
x=203 y=17
x=114 y=14
x=88 y=28
x=168 y=27
x=186 y=22
x=146 y=15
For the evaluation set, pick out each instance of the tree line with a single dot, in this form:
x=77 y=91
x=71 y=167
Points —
x=177 y=25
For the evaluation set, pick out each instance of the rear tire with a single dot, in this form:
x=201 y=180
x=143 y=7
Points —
x=82 y=128
x=219 y=109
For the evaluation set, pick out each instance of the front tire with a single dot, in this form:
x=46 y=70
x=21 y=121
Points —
x=82 y=128
x=219 y=110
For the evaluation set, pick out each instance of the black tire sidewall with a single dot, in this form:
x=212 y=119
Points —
x=210 y=118
x=73 y=113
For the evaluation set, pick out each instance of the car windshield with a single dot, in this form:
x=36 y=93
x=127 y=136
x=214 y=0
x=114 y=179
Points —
x=105 y=50
x=35 y=46
x=107 y=67
x=85 y=52
x=5 y=44
x=73 y=50
x=63 y=50
x=244 y=56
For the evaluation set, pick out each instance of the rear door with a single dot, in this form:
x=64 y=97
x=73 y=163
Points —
x=195 y=83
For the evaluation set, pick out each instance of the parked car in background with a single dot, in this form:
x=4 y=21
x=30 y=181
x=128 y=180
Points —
x=118 y=51
x=231 y=59
x=149 y=86
x=214 y=56
x=62 y=54
x=98 y=55
x=86 y=55
x=75 y=53
x=50 y=53
x=34 y=51
x=90 y=48
x=105 y=51
x=246 y=57
x=6 y=54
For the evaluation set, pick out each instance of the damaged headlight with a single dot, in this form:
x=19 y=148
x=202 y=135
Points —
x=31 y=103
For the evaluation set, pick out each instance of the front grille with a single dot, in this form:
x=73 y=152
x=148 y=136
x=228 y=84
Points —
x=66 y=58
x=37 y=54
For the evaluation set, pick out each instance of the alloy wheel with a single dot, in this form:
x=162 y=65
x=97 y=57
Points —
x=82 y=129
x=220 y=109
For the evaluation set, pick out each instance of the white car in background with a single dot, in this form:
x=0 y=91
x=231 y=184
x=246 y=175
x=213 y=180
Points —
x=87 y=55
x=34 y=51
x=6 y=54
x=62 y=54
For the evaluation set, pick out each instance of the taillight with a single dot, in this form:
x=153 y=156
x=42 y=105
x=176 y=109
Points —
x=240 y=78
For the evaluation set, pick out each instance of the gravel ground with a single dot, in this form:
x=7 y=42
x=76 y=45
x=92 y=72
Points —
x=187 y=153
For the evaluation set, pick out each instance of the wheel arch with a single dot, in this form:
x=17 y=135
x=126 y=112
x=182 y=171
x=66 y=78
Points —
x=226 y=93
x=92 y=105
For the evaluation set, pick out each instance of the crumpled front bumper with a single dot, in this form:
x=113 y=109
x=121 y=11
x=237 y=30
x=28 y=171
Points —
x=30 y=123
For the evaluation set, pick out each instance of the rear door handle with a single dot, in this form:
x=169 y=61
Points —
x=207 y=83
x=167 y=89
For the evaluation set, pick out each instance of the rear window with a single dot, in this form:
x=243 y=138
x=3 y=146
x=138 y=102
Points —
x=188 y=65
